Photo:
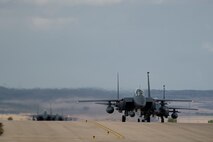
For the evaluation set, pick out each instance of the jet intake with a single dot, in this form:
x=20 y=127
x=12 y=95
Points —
x=110 y=109
x=164 y=111
x=174 y=115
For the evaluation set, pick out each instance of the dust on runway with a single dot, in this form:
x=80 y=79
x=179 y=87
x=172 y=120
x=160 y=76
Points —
x=104 y=131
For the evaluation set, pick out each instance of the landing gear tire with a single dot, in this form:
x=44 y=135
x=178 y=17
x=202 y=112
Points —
x=138 y=120
x=148 y=119
x=162 y=119
x=123 y=118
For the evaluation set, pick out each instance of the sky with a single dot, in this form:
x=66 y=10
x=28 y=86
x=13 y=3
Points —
x=84 y=43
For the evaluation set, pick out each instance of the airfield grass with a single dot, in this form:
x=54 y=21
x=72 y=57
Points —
x=210 y=121
x=171 y=120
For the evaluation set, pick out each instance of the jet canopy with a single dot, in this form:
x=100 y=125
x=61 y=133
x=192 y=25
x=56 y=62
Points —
x=139 y=92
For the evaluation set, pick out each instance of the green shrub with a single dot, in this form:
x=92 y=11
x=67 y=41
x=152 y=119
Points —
x=210 y=121
x=172 y=120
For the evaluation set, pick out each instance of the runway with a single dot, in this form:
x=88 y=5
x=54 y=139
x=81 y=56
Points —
x=104 y=131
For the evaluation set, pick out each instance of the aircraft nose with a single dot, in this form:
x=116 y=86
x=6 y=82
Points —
x=140 y=101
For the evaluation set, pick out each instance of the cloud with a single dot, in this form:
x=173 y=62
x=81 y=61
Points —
x=158 y=1
x=40 y=2
x=43 y=23
x=208 y=46
x=48 y=14
x=38 y=23
x=79 y=2
x=70 y=2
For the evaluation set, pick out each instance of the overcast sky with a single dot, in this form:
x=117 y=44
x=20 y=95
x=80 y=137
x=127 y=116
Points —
x=84 y=43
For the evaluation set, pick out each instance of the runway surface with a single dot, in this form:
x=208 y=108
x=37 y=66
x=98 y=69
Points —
x=105 y=131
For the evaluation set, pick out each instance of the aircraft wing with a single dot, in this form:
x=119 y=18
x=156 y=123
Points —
x=183 y=108
x=101 y=102
x=105 y=103
x=80 y=101
x=172 y=100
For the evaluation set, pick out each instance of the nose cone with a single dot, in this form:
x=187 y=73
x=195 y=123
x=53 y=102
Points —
x=140 y=101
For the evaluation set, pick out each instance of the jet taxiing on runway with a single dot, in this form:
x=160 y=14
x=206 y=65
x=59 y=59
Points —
x=49 y=117
x=146 y=106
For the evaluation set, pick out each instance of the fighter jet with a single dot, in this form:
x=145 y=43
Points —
x=48 y=117
x=146 y=106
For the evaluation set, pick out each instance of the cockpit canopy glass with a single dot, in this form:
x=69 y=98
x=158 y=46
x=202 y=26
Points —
x=139 y=92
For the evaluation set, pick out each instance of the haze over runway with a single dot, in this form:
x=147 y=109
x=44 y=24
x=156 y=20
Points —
x=83 y=43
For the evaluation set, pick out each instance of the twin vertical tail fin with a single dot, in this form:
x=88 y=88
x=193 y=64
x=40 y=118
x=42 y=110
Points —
x=164 y=92
x=118 y=86
x=149 y=95
x=37 y=109
x=51 y=108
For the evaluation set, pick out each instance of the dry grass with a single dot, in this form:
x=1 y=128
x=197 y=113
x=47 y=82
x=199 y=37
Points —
x=10 y=118
x=172 y=120
x=17 y=117
x=194 y=119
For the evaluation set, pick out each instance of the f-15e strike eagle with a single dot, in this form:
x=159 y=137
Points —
x=146 y=106
x=49 y=117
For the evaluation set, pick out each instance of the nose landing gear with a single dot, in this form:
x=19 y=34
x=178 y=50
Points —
x=144 y=118
x=123 y=118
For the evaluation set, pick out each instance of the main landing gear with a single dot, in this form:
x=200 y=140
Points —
x=162 y=119
x=123 y=118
